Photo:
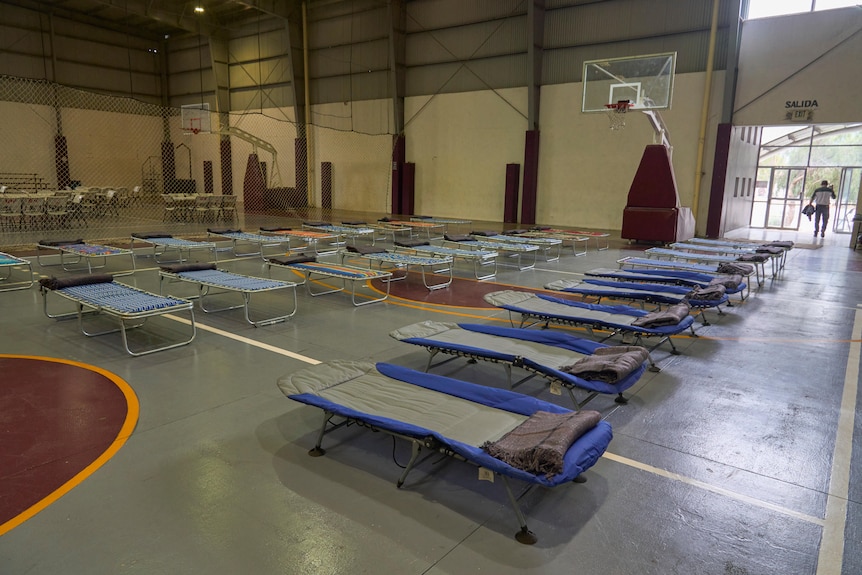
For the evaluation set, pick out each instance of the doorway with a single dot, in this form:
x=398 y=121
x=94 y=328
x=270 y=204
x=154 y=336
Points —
x=778 y=198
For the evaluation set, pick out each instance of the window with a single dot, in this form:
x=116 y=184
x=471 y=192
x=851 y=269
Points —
x=766 y=8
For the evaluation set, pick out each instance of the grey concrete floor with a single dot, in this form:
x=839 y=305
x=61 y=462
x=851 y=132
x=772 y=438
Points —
x=738 y=458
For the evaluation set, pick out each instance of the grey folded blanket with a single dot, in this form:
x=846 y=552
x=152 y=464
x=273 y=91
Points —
x=729 y=281
x=670 y=316
x=736 y=268
x=711 y=292
x=780 y=244
x=609 y=364
x=752 y=258
x=540 y=443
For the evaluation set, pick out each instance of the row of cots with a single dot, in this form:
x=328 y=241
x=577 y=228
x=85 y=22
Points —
x=501 y=444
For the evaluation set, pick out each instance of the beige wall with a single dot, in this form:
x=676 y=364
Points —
x=461 y=144
x=809 y=56
x=27 y=140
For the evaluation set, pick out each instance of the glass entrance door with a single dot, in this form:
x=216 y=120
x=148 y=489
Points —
x=778 y=205
x=848 y=194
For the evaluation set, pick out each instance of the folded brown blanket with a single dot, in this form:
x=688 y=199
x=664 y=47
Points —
x=729 y=281
x=539 y=444
x=609 y=364
x=60 y=283
x=292 y=259
x=670 y=316
x=736 y=268
x=151 y=235
x=274 y=229
x=484 y=233
x=769 y=250
x=780 y=244
x=752 y=258
x=366 y=250
x=457 y=237
x=412 y=243
x=223 y=231
x=711 y=292
x=195 y=267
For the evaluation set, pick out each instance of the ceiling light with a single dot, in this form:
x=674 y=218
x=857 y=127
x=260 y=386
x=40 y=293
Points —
x=199 y=9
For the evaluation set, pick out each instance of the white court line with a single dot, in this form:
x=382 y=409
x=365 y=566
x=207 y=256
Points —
x=712 y=488
x=831 y=558
x=611 y=456
x=245 y=340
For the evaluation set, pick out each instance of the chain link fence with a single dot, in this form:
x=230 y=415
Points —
x=121 y=164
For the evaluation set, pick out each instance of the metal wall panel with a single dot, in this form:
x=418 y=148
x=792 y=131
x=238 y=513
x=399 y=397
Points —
x=426 y=15
x=359 y=27
x=496 y=73
x=482 y=40
x=258 y=74
x=370 y=86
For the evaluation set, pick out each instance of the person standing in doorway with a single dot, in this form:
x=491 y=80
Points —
x=820 y=199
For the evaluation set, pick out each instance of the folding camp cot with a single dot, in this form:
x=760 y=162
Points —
x=598 y=236
x=776 y=248
x=701 y=258
x=306 y=239
x=447 y=416
x=311 y=268
x=513 y=249
x=9 y=263
x=479 y=258
x=211 y=281
x=99 y=294
x=445 y=222
x=743 y=254
x=163 y=243
x=572 y=240
x=733 y=283
x=383 y=230
x=72 y=252
x=432 y=230
x=238 y=237
x=653 y=293
x=547 y=245
x=403 y=261
x=649 y=266
x=618 y=319
x=350 y=233
x=545 y=353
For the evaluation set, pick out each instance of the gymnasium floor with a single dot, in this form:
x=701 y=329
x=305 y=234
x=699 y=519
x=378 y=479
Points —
x=737 y=458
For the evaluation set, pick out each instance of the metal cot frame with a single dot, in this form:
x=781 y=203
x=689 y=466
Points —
x=344 y=273
x=479 y=258
x=238 y=236
x=214 y=279
x=405 y=261
x=83 y=251
x=104 y=298
x=9 y=263
x=169 y=243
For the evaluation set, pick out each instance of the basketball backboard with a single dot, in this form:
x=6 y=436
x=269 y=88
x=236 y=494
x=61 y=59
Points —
x=645 y=81
x=196 y=118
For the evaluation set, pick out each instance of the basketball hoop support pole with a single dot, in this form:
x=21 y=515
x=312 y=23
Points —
x=701 y=140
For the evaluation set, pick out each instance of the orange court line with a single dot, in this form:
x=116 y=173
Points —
x=132 y=412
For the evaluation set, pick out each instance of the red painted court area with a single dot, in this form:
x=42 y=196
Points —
x=59 y=421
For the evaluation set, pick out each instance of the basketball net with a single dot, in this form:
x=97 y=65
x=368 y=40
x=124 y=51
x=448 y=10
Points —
x=616 y=113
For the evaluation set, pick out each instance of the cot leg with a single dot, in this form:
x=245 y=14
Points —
x=524 y=536
x=318 y=451
x=416 y=447
x=621 y=399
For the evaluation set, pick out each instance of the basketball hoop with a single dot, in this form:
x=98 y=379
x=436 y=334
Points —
x=616 y=113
